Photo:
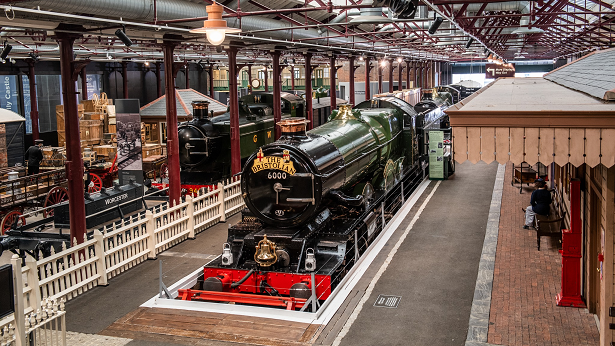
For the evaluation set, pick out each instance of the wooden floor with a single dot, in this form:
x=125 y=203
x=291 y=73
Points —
x=200 y=328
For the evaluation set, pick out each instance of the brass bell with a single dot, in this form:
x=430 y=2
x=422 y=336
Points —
x=265 y=254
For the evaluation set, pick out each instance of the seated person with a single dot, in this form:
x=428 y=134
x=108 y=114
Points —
x=539 y=203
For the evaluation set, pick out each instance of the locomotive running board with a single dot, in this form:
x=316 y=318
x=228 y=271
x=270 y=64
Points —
x=329 y=307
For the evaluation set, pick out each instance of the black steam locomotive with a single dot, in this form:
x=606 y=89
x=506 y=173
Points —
x=317 y=199
x=204 y=141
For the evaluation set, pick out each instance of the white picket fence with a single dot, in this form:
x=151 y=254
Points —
x=119 y=247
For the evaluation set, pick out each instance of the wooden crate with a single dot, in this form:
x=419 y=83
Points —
x=90 y=133
x=151 y=150
x=88 y=105
x=60 y=115
x=112 y=128
x=107 y=151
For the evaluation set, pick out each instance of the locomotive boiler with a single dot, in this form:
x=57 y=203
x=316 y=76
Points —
x=317 y=199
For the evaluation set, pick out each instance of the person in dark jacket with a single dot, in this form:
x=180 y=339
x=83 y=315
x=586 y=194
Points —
x=34 y=156
x=540 y=203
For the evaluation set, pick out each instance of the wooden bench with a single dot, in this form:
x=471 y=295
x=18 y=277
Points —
x=552 y=224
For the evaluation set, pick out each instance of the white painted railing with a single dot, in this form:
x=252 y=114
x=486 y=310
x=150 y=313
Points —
x=35 y=321
x=122 y=245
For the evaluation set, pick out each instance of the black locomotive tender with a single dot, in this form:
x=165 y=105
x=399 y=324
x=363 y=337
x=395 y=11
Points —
x=316 y=200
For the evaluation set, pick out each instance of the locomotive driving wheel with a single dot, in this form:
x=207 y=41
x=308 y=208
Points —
x=57 y=195
x=95 y=183
x=9 y=219
x=164 y=171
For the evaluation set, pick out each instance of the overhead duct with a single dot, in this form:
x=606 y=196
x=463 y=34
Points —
x=371 y=15
x=402 y=9
x=142 y=10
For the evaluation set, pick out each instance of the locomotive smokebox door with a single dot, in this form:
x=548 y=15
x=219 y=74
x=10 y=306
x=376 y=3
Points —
x=280 y=186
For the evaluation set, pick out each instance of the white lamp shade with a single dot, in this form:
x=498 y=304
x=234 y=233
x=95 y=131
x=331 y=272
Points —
x=216 y=36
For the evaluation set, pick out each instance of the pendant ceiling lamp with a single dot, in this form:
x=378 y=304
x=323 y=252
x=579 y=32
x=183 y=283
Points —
x=215 y=27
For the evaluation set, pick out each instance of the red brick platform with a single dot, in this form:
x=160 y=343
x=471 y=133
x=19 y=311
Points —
x=525 y=283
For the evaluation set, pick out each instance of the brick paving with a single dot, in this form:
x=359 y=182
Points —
x=525 y=283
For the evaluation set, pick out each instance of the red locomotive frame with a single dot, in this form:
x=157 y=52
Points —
x=248 y=291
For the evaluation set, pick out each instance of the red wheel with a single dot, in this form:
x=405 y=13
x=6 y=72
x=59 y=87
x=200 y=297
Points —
x=10 y=218
x=56 y=195
x=164 y=171
x=95 y=183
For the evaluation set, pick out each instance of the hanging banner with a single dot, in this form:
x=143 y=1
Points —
x=493 y=71
x=11 y=94
x=436 y=155
x=129 y=156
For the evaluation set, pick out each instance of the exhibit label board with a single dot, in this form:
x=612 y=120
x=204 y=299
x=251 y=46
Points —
x=436 y=155
x=129 y=156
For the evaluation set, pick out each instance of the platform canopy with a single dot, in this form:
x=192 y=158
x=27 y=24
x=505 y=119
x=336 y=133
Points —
x=533 y=120
x=184 y=98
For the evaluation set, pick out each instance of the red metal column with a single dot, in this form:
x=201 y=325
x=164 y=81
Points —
x=266 y=79
x=292 y=77
x=380 y=77
x=211 y=81
x=277 y=105
x=400 y=70
x=158 y=89
x=125 y=78
x=390 y=63
x=571 y=252
x=332 y=88
x=74 y=163
x=250 y=77
x=33 y=102
x=187 y=72
x=368 y=69
x=84 y=84
x=172 y=140
x=407 y=74
x=234 y=108
x=351 y=79
x=308 y=90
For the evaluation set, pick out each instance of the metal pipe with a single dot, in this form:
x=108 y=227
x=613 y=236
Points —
x=33 y=102
x=332 y=88
x=84 y=84
x=172 y=138
x=234 y=111
x=308 y=90
x=74 y=163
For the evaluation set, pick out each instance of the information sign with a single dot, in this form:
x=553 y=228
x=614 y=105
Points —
x=436 y=155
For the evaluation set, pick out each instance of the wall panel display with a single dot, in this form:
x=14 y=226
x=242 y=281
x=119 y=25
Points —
x=129 y=156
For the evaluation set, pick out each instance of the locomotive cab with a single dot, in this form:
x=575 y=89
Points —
x=199 y=142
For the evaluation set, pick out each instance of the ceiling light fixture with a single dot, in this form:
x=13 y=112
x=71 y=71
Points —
x=5 y=51
x=121 y=34
x=399 y=60
x=215 y=27
x=435 y=25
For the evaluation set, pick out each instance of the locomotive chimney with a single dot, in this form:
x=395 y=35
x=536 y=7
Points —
x=293 y=127
x=200 y=109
